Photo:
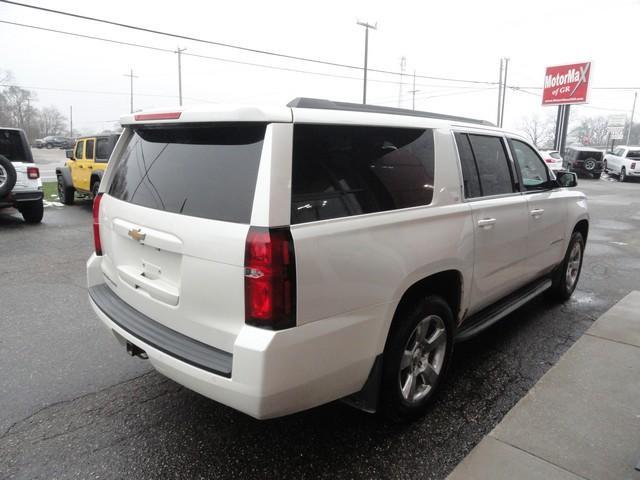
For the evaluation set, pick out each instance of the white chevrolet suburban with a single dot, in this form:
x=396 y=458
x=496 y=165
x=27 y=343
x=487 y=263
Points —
x=275 y=259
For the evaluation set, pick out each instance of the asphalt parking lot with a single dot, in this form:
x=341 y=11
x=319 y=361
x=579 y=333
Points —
x=74 y=405
x=47 y=160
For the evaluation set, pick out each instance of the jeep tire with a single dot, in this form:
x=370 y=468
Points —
x=7 y=176
x=32 y=212
x=66 y=193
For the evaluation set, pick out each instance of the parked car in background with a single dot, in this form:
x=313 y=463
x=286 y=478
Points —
x=624 y=162
x=552 y=158
x=584 y=161
x=53 y=142
x=275 y=259
x=20 y=184
x=85 y=166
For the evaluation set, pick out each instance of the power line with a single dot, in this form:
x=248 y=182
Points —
x=228 y=45
x=208 y=57
x=98 y=92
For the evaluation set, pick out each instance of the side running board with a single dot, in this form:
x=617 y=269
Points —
x=490 y=315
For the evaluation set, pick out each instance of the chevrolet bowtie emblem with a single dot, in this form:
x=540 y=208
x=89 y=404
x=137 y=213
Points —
x=137 y=235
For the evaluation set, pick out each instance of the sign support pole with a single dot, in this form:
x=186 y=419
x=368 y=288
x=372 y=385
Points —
x=562 y=124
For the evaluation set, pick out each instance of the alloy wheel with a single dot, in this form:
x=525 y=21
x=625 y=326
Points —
x=573 y=266
x=423 y=358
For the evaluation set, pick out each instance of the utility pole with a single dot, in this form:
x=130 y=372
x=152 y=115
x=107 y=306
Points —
x=366 y=26
x=131 y=77
x=403 y=64
x=179 y=52
x=71 y=121
x=502 y=89
x=633 y=111
x=413 y=92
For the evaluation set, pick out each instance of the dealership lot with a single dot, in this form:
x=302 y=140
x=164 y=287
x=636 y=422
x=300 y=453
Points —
x=74 y=405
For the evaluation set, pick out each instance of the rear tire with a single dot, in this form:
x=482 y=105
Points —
x=567 y=275
x=623 y=175
x=95 y=186
x=66 y=194
x=419 y=346
x=32 y=212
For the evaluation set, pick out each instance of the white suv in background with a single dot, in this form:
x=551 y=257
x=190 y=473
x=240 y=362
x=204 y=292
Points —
x=552 y=158
x=623 y=161
x=20 y=183
x=275 y=259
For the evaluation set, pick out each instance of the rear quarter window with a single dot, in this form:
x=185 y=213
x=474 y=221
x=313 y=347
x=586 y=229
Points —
x=340 y=170
x=206 y=171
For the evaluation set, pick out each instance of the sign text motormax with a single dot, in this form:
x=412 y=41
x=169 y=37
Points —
x=566 y=84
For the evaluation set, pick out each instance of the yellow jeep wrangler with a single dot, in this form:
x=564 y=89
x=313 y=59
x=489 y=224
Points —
x=84 y=168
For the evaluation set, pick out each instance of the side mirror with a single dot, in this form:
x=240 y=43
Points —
x=69 y=154
x=567 y=179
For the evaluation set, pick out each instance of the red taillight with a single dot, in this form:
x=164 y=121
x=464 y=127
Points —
x=33 y=173
x=96 y=224
x=269 y=278
x=549 y=160
x=157 y=116
x=633 y=165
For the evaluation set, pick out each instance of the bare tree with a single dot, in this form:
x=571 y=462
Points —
x=538 y=130
x=51 y=122
x=21 y=113
x=591 y=131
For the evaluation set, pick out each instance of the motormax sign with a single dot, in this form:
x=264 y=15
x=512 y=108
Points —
x=566 y=84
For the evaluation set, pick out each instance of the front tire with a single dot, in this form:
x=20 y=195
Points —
x=66 y=194
x=567 y=275
x=416 y=358
x=32 y=212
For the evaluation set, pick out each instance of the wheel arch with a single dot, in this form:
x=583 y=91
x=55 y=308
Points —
x=95 y=176
x=65 y=173
x=583 y=227
x=449 y=285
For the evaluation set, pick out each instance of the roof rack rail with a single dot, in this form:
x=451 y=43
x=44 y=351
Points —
x=322 y=104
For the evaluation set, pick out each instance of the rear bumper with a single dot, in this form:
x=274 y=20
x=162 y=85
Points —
x=271 y=373
x=15 y=198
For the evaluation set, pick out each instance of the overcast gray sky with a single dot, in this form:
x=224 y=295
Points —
x=459 y=39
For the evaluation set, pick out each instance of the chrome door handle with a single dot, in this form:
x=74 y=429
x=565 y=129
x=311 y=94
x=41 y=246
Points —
x=537 y=212
x=486 y=222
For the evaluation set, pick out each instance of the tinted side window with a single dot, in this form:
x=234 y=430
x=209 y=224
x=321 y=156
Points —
x=12 y=146
x=89 y=150
x=533 y=170
x=340 y=171
x=104 y=147
x=206 y=171
x=493 y=166
x=470 y=178
x=79 y=151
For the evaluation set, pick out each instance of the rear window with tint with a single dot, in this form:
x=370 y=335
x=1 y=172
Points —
x=13 y=147
x=633 y=154
x=339 y=170
x=555 y=155
x=206 y=171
